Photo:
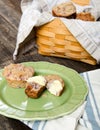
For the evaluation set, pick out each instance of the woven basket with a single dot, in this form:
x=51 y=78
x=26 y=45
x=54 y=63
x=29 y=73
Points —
x=81 y=2
x=54 y=39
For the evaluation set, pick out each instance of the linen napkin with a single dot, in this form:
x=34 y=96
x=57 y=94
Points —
x=91 y=115
x=88 y=116
x=68 y=122
x=38 y=12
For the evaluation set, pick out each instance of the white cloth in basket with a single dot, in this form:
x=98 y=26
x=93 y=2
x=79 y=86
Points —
x=38 y=12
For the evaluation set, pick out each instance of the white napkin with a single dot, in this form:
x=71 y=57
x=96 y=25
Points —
x=68 y=122
x=91 y=115
x=38 y=12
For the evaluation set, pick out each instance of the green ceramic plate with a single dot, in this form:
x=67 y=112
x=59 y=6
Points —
x=15 y=104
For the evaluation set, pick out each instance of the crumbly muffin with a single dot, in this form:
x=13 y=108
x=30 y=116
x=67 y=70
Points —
x=35 y=86
x=67 y=10
x=55 y=84
x=17 y=74
x=86 y=16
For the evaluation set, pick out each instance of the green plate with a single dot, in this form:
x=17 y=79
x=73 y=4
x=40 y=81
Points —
x=14 y=103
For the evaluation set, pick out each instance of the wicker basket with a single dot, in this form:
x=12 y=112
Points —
x=54 y=39
x=81 y=2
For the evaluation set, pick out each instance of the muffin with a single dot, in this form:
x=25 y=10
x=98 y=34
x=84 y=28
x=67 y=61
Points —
x=67 y=10
x=17 y=74
x=55 y=84
x=35 y=86
x=86 y=16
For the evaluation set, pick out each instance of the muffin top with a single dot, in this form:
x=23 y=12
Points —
x=64 y=9
x=18 y=72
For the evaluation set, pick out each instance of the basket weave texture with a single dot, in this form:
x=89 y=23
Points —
x=81 y=2
x=54 y=39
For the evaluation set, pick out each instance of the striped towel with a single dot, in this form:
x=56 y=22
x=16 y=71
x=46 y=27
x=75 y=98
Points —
x=90 y=119
x=91 y=116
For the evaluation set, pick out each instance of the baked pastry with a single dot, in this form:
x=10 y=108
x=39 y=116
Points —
x=55 y=84
x=17 y=74
x=86 y=16
x=67 y=10
x=35 y=86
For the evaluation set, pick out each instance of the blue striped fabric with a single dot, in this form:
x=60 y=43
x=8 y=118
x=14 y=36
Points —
x=36 y=125
x=91 y=116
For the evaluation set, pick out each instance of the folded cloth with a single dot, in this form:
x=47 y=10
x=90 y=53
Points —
x=38 y=12
x=91 y=116
x=88 y=118
x=68 y=122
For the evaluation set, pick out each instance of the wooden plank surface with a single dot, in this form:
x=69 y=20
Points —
x=10 y=15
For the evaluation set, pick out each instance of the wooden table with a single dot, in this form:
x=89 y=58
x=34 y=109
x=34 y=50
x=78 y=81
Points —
x=10 y=14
